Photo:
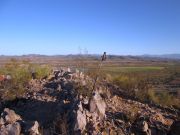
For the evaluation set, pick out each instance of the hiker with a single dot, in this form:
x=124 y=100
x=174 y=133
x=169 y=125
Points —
x=103 y=57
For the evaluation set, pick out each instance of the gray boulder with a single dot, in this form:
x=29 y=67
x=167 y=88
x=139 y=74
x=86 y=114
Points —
x=10 y=116
x=92 y=105
x=97 y=104
x=34 y=130
x=141 y=127
x=11 y=129
x=81 y=122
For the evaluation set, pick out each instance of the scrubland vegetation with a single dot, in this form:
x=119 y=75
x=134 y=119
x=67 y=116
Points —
x=20 y=73
x=146 y=83
x=150 y=84
x=157 y=84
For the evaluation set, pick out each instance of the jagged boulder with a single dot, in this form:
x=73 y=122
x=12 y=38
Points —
x=141 y=127
x=11 y=129
x=97 y=104
x=2 y=122
x=144 y=126
x=80 y=119
x=34 y=130
x=10 y=116
x=92 y=105
x=9 y=124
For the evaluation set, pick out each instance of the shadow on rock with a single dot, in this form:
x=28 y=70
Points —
x=34 y=110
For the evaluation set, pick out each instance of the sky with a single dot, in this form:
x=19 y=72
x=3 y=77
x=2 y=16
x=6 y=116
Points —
x=121 y=27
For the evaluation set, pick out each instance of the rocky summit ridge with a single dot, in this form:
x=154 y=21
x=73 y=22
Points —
x=53 y=106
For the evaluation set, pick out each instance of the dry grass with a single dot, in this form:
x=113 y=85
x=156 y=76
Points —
x=20 y=71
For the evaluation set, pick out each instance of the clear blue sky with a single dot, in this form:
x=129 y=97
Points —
x=115 y=26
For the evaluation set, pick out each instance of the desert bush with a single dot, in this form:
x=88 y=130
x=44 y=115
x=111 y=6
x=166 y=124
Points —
x=40 y=71
x=21 y=75
x=142 y=90
x=132 y=114
x=163 y=98
x=128 y=83
x=99 y=78
x=94 y=81
x=94 y=72
x=82 y=90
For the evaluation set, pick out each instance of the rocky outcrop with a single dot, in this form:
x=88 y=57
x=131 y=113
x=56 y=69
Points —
x=55 y=106
x=9 y=122
x=12 y=124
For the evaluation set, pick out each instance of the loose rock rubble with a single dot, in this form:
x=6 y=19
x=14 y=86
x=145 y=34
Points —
x=53 y=106
x=11 y=124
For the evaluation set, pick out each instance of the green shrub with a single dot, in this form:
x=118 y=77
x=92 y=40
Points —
x=41 y=71
x=127 y=83
x=163 y=98
x=132 y=114
x=93 y=73
x=140 y=88
x=20 y=72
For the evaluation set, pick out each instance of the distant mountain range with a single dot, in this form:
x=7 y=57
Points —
x=96 y=56
x=164 y=56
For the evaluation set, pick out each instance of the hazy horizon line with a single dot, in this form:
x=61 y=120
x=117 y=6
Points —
x=145 y=54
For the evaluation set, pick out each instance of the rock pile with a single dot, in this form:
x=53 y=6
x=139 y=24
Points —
x=54 y=106
x=12 y=124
